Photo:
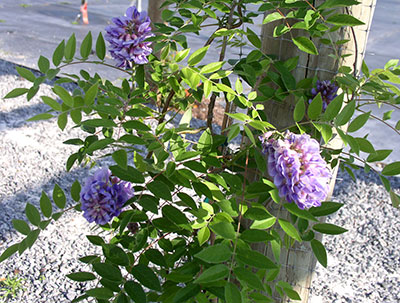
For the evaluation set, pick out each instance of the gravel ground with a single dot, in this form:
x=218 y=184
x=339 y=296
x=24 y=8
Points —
x=364 y=263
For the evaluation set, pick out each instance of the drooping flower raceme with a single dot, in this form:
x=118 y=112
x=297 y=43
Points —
x=297 y=168
x=328 y=92
x=127 y=38
x=103 y=196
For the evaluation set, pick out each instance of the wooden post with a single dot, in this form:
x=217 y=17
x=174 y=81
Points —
x=298 y=263
x=154 y=11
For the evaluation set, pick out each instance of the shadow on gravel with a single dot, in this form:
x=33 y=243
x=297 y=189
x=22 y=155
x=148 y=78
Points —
x=13 y=206
x=7 y=68
x=18 y=117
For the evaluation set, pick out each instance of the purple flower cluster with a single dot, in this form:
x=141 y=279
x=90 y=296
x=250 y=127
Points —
x=328 y=92
x=297 y=168
x=103 y=196
x=127 y=38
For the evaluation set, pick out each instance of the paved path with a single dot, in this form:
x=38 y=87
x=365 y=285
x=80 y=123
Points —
x=30 y=28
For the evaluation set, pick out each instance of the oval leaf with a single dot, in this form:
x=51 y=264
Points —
x=32 y=214
x=391 y=169
x=146 y=276
x=305 y=44
x=330 y=229
x=319 y=252
x=215 y=254
x=81 y=276
x=213 y=274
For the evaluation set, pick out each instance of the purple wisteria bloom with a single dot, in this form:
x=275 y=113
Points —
x=328 y=92
x=103 y=196
x=127 y=38
x=297 y=168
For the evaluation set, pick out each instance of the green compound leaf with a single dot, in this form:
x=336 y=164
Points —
x=289 y=229
x=395 y=199
x=211 y=67
x=86 y=46
x=205 y=141
x=146 y=276
x=52 y=103
x=299 y=110
x=255 y=259
x=379 y=155
x=203 y=235
x=21 y=226
x=215 y=254
x=100 y=47
x=32 y=237
x=330 y=229
x=121 y=158
x=76 y=191
x=156 y=257
x=358 y=122
x=99 y=123
x=59 y=53
x=91 y=94
x=288 y=290
x=70 y=48
x=260 y=160
x=59 y=196
x=130 y=174
x=44 y=116
x=319 y=252
x=344 y=20
x=32 y=92
x=108 y=271
x=224 y=229
x=256 y=235
x=247 y=276
x=346 y=114
x=100 y=293
x=185 y=293
x=263 y=224
x=32 y=214
x=198 y=55
x=160 y=190
x=135 y=124
x=232 y=293
x=272 y=17
x=315 y=108
x=213 y=274
x=301 y=213
x=337 y=3
x=81 y=276
x=44 y=64
x=62 y=121
x=174 y=215
x=64 y=95
x=391 y=169
x=9 y=252
x=181 y=55
x=325 y=209
x=16 y=93
x=45 y=205
x=305 y=44
x=135 y=292
x=26 y=74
